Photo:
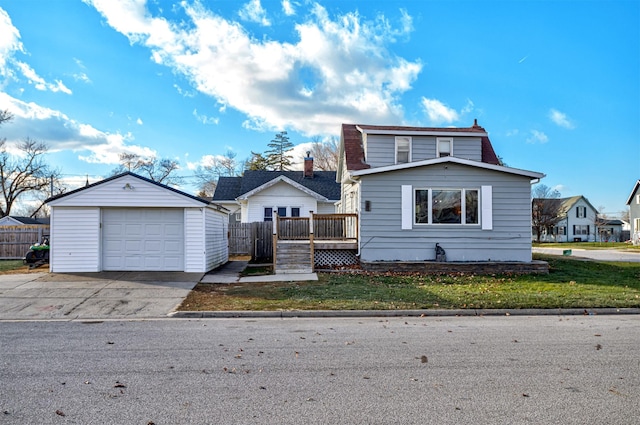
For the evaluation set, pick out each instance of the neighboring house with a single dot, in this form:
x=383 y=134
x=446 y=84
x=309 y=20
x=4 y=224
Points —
x=11 y=220
x=610 y=230
x=576 y=221
x=634 y=213
x=415 y=187
x=259 y=195
x=128 y=222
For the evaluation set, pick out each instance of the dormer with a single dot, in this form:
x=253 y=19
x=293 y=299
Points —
x=372 y=146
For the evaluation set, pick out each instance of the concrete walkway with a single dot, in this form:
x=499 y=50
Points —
x=230 y=273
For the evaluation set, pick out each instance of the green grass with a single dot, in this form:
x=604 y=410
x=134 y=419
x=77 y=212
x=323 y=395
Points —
x=570 y=283
x=9 y=265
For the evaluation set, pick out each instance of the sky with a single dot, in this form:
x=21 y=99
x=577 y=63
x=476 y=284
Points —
x=555 y=83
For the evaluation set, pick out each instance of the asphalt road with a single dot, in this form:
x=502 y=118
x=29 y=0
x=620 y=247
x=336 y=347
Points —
x=594 y=254
x=479 y=370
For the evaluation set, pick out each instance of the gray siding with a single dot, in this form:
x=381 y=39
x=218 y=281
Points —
x=381 y=149
x=382 y=238
x=634 y=213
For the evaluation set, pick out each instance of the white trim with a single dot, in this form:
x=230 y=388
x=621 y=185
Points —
x=446 y=159
x=283 y=179
x=486 y=200
x=444 y=132
x=407 y=207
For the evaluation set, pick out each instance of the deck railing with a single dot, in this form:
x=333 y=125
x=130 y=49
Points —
x=339 y=227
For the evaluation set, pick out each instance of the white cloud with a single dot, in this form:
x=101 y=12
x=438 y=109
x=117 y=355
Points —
x=338 y=70
x=287 y=8
x=561 y=119
x=537 y=137
x=10 y=44
x=254 y=12
x=139 y=121
x=205 y=119
x=60 y=132
x=438 y=112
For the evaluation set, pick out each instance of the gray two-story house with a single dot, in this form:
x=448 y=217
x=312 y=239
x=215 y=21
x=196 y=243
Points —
x=415 y=187
x=634 y=213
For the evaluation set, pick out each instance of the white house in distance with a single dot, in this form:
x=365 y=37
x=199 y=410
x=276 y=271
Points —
x=130 y=223
x=577 y=221
x=258 y=195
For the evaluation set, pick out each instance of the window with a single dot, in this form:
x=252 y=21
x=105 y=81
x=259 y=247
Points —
x=581 y=229
x=295 y=212
x=638 y=199
x=268 y=214
x=444 y=147
x=403 y=150
x=636 y=224
x=581 y=212
x=447 y=206
x=560 y=230
x=282 y=211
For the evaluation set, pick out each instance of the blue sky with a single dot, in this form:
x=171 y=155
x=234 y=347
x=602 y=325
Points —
x=555 y=83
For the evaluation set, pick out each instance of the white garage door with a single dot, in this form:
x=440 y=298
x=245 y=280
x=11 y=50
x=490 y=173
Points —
x=143 y=239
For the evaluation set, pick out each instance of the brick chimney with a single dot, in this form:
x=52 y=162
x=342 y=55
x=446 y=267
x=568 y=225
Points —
x=308 y=166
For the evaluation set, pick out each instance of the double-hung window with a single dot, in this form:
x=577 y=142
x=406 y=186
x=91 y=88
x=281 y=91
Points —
x=403 y=149
x=268 y=214
x=581 y=212
x=447 y=206
x=444 y=147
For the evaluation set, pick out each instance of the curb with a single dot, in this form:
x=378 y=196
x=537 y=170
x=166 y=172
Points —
x=399 y=313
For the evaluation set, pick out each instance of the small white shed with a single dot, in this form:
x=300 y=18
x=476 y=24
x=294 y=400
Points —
x=130 y=223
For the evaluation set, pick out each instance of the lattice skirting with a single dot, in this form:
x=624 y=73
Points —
x=335 y=257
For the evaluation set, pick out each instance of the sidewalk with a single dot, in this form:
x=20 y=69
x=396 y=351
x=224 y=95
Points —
x=230 y=273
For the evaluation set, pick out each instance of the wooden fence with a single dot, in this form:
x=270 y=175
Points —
x=16 y=240
x=254 y=239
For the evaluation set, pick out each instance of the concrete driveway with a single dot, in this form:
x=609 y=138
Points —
x=104 y=295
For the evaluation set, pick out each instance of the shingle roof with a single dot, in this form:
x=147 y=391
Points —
x=323 y=183
x=29 y=220
x=354 y=149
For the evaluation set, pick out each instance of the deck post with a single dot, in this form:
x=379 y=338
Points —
x=311 y=218
x=275 y=237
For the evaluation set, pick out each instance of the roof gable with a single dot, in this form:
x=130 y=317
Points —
x=633 y=192
x=127 y=189
x=449 y=159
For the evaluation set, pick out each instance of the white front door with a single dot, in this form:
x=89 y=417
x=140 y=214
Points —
x=146 y=239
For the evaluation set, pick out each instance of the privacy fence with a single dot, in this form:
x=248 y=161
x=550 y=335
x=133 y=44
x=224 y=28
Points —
x=16 y=240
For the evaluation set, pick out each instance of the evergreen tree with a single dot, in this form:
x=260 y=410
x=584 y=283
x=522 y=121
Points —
x=278 y=156
x=257 y=162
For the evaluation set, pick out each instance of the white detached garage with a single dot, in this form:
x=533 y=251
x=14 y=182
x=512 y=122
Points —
x=130 y=223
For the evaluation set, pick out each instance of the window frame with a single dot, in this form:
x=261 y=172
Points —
x=439 y=140
x=265 y=216
x=463 y=216
x=409 y=150
x=295 y=208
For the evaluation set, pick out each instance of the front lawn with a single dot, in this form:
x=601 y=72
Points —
x=570 y=283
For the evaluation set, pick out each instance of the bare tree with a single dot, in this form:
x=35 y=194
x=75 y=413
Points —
x=5 y=116
x=545 y=209
x=325 y=153
x=208 y=175
x=159 y=170
x=24 y=173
